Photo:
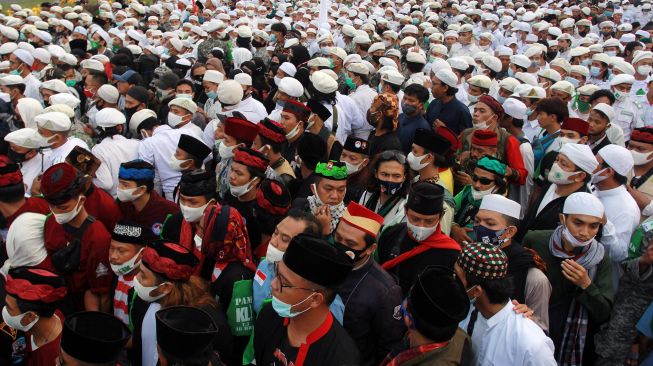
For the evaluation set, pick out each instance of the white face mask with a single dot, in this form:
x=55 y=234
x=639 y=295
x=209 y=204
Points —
x=598 y=178
x=415 y=162
x=277 y=80
x=477 y=195
x=226 y=152
x=640 y=158
x=293 y=132
x=144 y=292
x=175 y=164
x=273 y=254
x=566 y=140
x=420 y=233
x=14 y=321
x=174 y=120
x=128 y=266
x=239 y=191
x=192 y=214
x=66 y=217
x=127 y=195
x=619 y=96
x=558 y=176
x=351 y=168
x=473 y=98
x=573 y=241
x=644 y=70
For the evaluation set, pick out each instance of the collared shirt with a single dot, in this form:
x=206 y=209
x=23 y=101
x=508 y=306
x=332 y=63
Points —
x=508 y=338
x=253 y=109
x=31 y=169
x=622 y=210
x=157 y=151
x=627 y=116
x=349 y=119
x=363 y=96
x=59 y=154
x=112 y=152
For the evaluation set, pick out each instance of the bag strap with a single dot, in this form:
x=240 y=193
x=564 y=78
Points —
x=472 y=321
x=82 y=229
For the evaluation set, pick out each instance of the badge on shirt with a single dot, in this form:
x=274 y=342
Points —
x=397 y=312
x=647 y=226
x=101 y=270
x=260 y=277
x=156 y=228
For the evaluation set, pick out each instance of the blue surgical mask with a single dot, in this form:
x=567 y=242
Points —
x=501 y=99
x=273 y=38
x=575 y=82
x=488 y=236
x=510 y=72
x=212 y=94
x=285 y=310
x=586 y=62
x=595 y=71
x=529 y=111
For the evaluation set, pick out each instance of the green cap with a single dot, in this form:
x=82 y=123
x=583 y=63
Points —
x=492 y=165
x=332 y=169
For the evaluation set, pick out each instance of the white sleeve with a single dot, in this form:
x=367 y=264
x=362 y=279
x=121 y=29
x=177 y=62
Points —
x=103 y=178
x=615 y=241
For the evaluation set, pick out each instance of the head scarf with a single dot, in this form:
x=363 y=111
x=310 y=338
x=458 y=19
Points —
x=388 y=105
x=28 y=108
x=25 y=242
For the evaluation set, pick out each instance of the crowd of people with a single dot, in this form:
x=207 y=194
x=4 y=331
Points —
x=370 y=182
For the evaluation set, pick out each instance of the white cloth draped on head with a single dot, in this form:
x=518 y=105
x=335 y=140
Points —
x=28 y=108
x=25 y=242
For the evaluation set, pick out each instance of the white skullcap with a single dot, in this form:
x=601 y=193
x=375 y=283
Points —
x=138 y=118
x=358 y=68
x=515 y=108
x=109 y=117
x=291 y=86
x=550 y=74
x=53 y=121
x=458 y=63
x=8 y=48
x=24 y=56
x=323 y=82
x=480 y=81
x=108 y=93
x=28 y=108
x=288 y=68
x=583 y=203
x=323 y=61
x=243 y=79
x=230 y=92
x=581 y=156
x=492 y=63
x=55 y=85
x=28 y=138
x=92 y=65
x=447 y=77
x=606 y=109
x=564 y=86
x=66 y=99
x=618 y=158
x=416 y=57
x=393 y=77
x=378 y=46
x=62 y=108
x=622 y=79
x=520 y=60
x=187 y=103
x=213 y=76
x=501 y=204
x=42 y=55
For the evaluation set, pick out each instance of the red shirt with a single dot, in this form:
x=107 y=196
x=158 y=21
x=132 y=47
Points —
x=32 y=204
x=103 y=207
x=94 y=272
x=46 y=354
x=153 y=215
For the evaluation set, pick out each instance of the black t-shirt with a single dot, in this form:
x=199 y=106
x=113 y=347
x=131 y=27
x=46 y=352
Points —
x=333 y=346
x=455 y=115
x=379 y=144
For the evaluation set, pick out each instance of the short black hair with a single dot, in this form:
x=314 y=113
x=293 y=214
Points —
x=97 y=76
x=185 y=82
x=20 y=87
x=451 y=91
x=519 y=123
x=418 y=91
x=276 y=147
x=618 y=177
x=13 y=193
x=279 y=27
x=511 y=221
x=553 y=106
x=414 y=66
x=197 y=359
x=602 y=93
x=313 y=226
x=498 y=291
x=395 y=88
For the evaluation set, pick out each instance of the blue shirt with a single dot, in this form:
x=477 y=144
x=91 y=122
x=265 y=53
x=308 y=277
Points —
x=262 y=290
x=407 y=128
x=454 y=114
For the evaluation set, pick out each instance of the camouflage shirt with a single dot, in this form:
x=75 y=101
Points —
x=205 y=48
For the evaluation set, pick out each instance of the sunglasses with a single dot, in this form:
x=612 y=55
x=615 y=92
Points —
x=393 y=155
x=483 y=180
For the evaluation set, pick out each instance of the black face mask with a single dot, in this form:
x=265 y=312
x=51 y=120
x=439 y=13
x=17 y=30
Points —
x=357 y=254
x=370 y=119
x=16 y=157
x=551 y=55
x=129 y=112
x=376 y=58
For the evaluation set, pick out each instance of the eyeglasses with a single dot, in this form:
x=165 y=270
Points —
x=483 y=180
x=282 y=286
x=393 y=155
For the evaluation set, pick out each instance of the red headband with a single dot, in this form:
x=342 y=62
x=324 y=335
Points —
x=243 y=157
x=269 y=134
x=28 y=291
x=9 y=179
x=166 y=266
x=268 y=206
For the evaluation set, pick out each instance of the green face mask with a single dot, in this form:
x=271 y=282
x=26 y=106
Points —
x=350 y=83
x=583 y=107
x=94 y=44
x=115 y=48
x=71 y=83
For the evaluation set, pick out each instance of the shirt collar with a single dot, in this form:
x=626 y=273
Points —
x=500 y=316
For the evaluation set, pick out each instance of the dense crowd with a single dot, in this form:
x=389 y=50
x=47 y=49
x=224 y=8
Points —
x=369 y=182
